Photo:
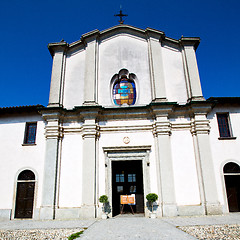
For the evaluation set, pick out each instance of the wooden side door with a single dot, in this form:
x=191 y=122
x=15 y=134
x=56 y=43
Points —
x=24 y=199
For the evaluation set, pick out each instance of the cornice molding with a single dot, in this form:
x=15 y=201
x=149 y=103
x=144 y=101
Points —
x=121 y=29
x=127 y=148
x=190 y=41
x=140 y=127
x=57 y=47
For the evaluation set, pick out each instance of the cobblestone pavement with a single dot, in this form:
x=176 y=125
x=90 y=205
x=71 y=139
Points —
x=126 y=227
x=41 y=230
x=214 y=231
x=38 y=234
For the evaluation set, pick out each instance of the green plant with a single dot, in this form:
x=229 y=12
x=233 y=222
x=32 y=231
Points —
x=152 y=197
x=75 y=235
x=103 y=199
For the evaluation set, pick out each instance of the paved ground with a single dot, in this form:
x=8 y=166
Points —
x=123 y=227
x=145 y=228
x=134 y=228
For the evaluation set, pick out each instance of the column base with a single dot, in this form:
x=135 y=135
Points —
x=90 y=103
x=67 y=213
x=47 y=213
x=5 y=214
x=214 y=209
x=169 y=210
x=197 y=98
x=159 y=100
x=54 y=105
x=191 y=210
x=86 y=212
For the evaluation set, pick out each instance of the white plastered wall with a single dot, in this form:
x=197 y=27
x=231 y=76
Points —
x=74 y=80
x=131 y=53
x=118 y=52
x=15 y=157
x=224 y=151
x=184 y=168
x=174 y=75
x=70 y=192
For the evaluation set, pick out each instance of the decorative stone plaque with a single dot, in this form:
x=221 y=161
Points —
x=126 y=140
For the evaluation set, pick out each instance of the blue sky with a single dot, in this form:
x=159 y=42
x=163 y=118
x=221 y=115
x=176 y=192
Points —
x=27 y=26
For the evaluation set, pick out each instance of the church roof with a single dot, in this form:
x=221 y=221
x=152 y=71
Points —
x=224 y=100
x=122 y=28
x=20 y=109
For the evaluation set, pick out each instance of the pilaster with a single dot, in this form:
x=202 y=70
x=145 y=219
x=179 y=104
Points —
x=156 y=65
x=58 y=51
x=91 y=67
x=90 y=135
x=53 y=135
x=191 y=69
x=162 y=130
x=200 y=129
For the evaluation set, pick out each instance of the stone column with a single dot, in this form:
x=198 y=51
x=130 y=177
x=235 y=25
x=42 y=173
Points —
x=51 y=165
x=191 y=69
x=91 y=68
x=205 y=168
x=156 y=65
x=58 y=70
x=89 y=168
x=164 y=164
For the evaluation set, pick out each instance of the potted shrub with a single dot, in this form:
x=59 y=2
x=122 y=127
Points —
x=152 y=197
x=104 y=200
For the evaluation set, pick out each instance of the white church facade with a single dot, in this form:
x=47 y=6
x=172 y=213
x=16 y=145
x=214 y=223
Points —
x=126 y=115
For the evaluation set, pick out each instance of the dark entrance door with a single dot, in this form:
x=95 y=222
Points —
x=25 y=195
x=232 y=180
x=127 y=178
x=233 y=192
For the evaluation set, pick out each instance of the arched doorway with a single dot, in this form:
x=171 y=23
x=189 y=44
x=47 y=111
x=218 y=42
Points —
x=25 y=194
x=232 y=181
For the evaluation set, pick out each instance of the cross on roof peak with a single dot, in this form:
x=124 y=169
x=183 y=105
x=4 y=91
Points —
x=121 y=15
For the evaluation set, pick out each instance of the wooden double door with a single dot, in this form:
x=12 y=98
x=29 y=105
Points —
x=127 y=179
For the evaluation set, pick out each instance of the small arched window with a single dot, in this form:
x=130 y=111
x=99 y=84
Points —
x=124 y=88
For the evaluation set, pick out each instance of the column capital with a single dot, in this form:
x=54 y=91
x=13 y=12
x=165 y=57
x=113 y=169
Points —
x=154 y=34
x=161 y=109
x=54 y=127
x=161 y=128
x=190 y=42
x=200 y=125
x=90 y=130
x=59 y=47
x=91 y=36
